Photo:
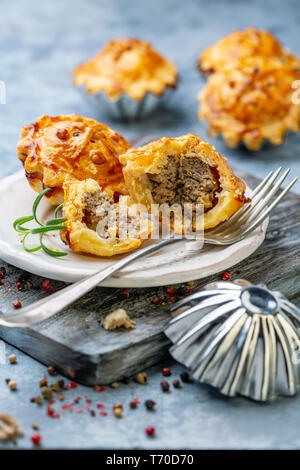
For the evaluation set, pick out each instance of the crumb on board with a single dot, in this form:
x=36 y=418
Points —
x=116 y=319
x=9 y=427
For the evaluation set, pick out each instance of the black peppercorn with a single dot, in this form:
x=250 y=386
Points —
x=150 y=404
x=176 y=383
x=165 y=386
x=185 y=377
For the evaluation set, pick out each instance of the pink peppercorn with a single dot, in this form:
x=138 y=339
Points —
x=225 y=276
x=150 y=431
x=47 y=286
x=166 y=371
x=72 y=385
x=36 y=439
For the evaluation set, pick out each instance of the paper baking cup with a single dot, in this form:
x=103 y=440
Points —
x=125 y=108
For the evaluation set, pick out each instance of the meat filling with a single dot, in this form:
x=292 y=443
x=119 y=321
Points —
x=115 y=223
x=184 y=179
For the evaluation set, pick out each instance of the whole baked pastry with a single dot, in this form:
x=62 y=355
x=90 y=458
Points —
x=181 y=170
x=129 y=66
x=238 y=45
x=251 y=103
x=93 y=220
x=54 y=147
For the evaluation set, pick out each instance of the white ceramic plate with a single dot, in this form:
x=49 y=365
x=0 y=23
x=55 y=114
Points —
x=176 y=263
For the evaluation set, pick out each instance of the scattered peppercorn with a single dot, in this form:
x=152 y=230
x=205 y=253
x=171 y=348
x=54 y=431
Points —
x=51 y=412
x=118 y=410
x=61 y=383
x=150 y=431
x=225 y=276
x=37 y=400
x=114 y=385
x=137 y=400
x=2 y=272
x=35 y=426
x=141 y=378
x=46 y=392
x=36 y=439
x=150 y=404
x=171 y=290
x=7 y=380
x=166 y=371
x=176 y=384
x=170 y=297
x=72 y=385
x=43 y=382
x=51 y=370
x=157 y=301
x=60 y=397
x=185 y=377
x=17 y=304
x=125 y=292
x=47 y=286
x=133 y=405
x=165 y=386
x=55 y=387
x=20 y=285
x=92 y=413
x=12 y=385
x=12 y=358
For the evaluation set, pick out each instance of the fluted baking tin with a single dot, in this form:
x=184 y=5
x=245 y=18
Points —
x=125 y=108
x=241 y=338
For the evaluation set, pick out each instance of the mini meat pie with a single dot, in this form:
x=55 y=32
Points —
x=183 y=170
x=93 y=220
x=238 y=45
x=248 y=97
x=251 y=103
x=126 y=66
x=54 y=147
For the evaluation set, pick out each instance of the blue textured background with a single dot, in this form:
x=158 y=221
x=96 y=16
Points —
x=40 y=43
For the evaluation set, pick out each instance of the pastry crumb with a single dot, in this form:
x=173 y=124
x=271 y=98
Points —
x=9 y=427
x=116 y=319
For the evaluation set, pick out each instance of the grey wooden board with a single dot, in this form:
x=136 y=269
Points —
x=79 y=348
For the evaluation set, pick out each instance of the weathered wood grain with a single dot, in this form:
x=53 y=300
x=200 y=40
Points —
x=78 y=347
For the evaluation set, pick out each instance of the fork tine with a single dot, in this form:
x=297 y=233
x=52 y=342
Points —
x=257 y=208
x=256 y=195
x=263 y=182
x=262 y=204
x=265 y=214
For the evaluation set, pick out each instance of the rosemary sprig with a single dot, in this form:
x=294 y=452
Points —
x=51 y=225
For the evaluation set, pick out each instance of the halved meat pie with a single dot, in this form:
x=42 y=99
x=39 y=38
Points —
x=99 y=225
x=183 y=170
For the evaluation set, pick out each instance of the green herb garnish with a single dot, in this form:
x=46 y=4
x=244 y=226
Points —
x=51 y=225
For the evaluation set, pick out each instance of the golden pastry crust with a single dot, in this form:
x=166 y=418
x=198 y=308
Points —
x=221 y=192
x=126 y=66
x=251 y=103
x=54 y=147
x=238 y=45
x=81 y=234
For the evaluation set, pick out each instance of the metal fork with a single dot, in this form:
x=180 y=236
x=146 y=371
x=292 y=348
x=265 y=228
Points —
x=235 y=229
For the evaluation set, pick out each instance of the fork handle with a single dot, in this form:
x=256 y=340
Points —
x=54 y=303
